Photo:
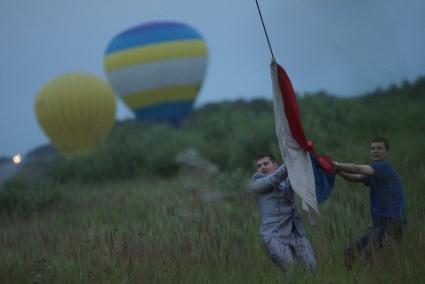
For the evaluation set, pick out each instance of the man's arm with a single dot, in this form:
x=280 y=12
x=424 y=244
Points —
x=261 y=183
x=353 y=172
x=353 y=177
x=354 y=168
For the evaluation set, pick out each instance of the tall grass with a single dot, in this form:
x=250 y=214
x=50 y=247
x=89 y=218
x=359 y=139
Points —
x=155 y=231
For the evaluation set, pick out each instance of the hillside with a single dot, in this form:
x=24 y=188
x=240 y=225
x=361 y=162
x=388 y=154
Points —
x=130 y=212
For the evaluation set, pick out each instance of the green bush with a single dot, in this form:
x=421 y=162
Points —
x=132 y=149
x=24 y=198
x=231 y=134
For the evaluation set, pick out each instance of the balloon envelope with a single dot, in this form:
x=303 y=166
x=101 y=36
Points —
x=157 y=69
x=76 y=111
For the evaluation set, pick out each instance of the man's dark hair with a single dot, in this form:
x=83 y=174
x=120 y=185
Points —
x=383 y=140
x=266 y=155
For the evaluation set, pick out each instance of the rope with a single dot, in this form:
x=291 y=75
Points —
x=265 y=31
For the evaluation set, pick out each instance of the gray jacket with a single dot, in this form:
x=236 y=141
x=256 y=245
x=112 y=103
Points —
x=276 y=202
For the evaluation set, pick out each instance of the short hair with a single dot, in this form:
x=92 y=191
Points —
x=383 y=140
x=266 y=155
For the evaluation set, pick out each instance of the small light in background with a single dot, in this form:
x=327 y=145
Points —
x=17 y=159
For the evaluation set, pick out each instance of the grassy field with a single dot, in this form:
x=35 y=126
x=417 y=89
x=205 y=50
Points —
x=146 y=226
x=154 y=231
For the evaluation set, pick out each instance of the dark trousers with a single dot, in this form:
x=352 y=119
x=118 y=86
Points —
x=371 y=242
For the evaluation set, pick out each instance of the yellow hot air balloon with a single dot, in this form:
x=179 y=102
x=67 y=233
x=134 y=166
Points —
x=76 y=111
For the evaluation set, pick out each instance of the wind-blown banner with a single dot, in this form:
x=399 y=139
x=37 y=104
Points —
x=311 y=176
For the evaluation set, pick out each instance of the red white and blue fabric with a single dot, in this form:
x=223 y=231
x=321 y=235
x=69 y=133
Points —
x=311 y=176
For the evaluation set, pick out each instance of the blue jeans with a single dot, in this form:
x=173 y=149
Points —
x=373 y=240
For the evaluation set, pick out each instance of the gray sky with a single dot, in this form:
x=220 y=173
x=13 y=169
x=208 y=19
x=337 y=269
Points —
x=344 y=47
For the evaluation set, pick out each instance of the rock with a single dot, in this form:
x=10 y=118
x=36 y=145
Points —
x=196 y=172
x=192 y=159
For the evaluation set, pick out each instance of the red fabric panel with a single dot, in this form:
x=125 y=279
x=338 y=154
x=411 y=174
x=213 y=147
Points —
x=291 y=109
x=326 y=164
x=294 y=119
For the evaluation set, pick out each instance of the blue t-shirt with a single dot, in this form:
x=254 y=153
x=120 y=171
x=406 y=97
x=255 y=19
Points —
x=386 y=192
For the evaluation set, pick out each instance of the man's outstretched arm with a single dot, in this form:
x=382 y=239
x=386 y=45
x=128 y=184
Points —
x=353 y=172
x=353 y=177
x=261 y=183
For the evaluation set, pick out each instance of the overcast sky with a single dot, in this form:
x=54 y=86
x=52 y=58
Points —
x=344 y=47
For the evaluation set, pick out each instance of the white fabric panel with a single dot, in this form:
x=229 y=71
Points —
x=300 y=168
x=167 y=73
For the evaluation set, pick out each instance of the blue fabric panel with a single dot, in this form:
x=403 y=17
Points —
x=172 y=112
x=150 y=26
x=324 y=182
x=156 y=35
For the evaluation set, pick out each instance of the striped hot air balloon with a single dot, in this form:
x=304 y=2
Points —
x=157 y=69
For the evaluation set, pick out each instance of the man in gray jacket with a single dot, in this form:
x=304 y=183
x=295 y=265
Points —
x=281 y=228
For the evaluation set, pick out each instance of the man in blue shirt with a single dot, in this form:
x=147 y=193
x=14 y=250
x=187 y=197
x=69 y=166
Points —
x=387 y=203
